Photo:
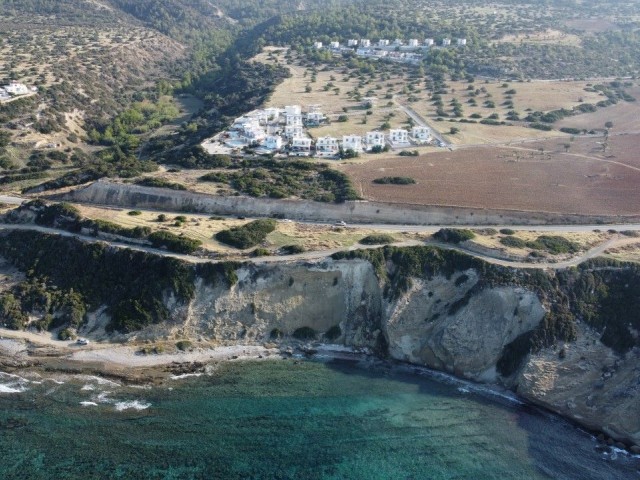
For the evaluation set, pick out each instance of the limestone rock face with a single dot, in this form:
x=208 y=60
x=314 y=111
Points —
x=446 y=325
x=588 y=383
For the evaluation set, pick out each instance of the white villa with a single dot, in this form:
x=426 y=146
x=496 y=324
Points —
x=413 y=42
x=421 y=134
x=365 y=42
x=462 y=42
x=15 y=88
x=375 y=139
x=383 y=42
x=317 y=45
x=327 y=147
x=352 y=42
x=334 y=44
x=398 y=136
x=429 y=42
x=446 y=42
x=398 y=42
x=301 y=147
x=353 y=142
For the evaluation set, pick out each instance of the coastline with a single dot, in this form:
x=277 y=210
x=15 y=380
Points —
x=22 y=352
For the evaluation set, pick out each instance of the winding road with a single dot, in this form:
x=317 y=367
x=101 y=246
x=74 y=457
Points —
x=618 y=241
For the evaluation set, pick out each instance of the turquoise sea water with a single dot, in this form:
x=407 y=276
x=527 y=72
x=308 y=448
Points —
x=287 y=420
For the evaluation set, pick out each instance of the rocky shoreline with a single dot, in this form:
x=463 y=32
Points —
x=127 y=364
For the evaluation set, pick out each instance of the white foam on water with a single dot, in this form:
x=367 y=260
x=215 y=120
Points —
x=10 y=389
x=88 y=387
x=89 y=404
x=134 y=405
x=100 y=380
x=185 y=375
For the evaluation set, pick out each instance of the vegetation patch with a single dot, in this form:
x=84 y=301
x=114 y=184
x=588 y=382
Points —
x=248 y=235
x=283 y=179
x=454 y=235
x=160 y=183
x=394 y=181
x=377 y=239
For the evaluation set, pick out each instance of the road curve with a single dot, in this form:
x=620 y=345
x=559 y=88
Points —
x=320 y=254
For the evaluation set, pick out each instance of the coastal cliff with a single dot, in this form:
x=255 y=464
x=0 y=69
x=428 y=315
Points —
x=566 y=340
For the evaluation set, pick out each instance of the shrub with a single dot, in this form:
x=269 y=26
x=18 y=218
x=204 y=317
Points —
x=173 y=242
x=541 y=126
x=305 y=333
x=261 y=252
x=248 y=235
x=377 y=239
x=454 y=235
x=292 y=249
x=554 y=244
x=160 y=183
x=66 y=334
x=513 y=242
x=507 y=231
x=394 y=181
x=184 y=345
x=409 y=153
x=571 y=131
x=134 y=213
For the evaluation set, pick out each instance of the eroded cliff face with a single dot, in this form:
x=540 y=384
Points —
x=454 y=323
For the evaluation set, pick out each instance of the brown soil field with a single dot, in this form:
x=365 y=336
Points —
x=624 y=115
x=519 y=177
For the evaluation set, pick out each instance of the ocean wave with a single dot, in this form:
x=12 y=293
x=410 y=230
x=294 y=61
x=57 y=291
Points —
x=11 y=389
x=185 y=375
x=89 y=404
x=134 y=405
x=99 y=380
x=88 y=387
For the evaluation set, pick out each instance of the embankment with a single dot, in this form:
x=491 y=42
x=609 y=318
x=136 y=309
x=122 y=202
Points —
x=136 y=196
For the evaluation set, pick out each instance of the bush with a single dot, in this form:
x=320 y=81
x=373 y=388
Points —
x=134 y=213
x=173 y=242
x=184 y=345
x=377 y=239
x=554 y=244
x=160 y=183
x=261 y=252
x=305 y=333
x=571 y=131
x=507 y=231
x=66 y=334
x=409 y=153
x=454 y=235
x=248 y=235
x=292 y=249
x=513 y=242
x=394 y=181
x=541 y=126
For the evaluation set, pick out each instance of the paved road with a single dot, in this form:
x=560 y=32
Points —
x=419 y=120
x=594 y=252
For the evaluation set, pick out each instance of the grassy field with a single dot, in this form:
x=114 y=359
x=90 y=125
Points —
x=627 y=253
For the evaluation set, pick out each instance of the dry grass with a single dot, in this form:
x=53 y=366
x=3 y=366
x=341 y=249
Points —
x=546 y=37
x=628 y=253
x=203 y=228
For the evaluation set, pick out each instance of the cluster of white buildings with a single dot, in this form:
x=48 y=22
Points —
x=284 y=130
x=410 y=51
x=15 y=89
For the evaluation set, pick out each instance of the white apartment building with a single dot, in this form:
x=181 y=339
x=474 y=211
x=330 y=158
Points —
x=398 y=136
x=365 y=42
x=317 y=45
x=353 y=142
x=383 y=42
x=375 y=139
x=461 y=42
x=300 y=147
x=398 y=42
x=446 y=42
x=272 y=142
x=327 y=147
x=421 y=134
x=293 y=131
x=352 y=42
x=413 y=42
x=334 y=44
x=429 y=42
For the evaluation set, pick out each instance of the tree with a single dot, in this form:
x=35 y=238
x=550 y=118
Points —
x=454 y=130
x=608 y=124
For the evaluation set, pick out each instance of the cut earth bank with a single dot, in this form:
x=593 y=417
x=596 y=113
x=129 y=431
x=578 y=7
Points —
x=567 y=339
